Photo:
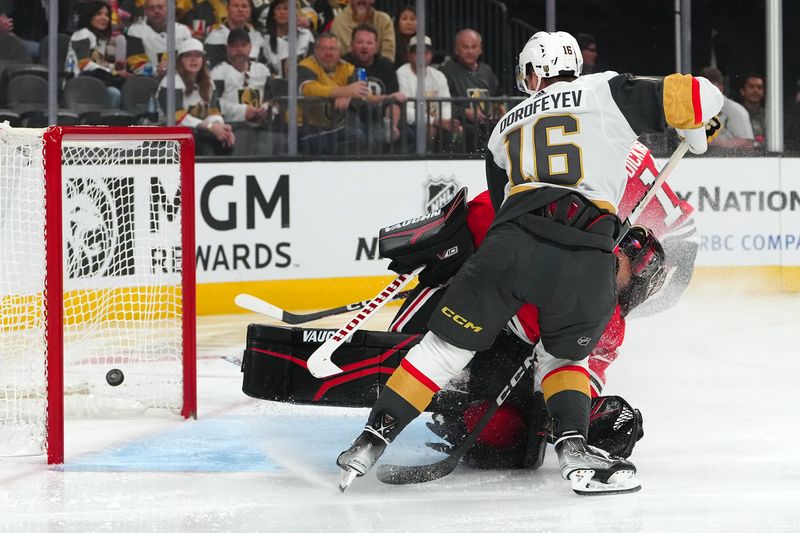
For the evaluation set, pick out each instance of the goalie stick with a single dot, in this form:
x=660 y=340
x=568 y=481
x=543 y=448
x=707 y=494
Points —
x=257 y=305
x=403 y=475
x=319 y=363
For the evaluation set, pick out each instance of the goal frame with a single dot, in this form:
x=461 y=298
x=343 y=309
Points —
x=53 y=138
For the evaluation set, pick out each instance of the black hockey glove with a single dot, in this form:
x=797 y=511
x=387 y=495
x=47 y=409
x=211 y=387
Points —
x=713 y=127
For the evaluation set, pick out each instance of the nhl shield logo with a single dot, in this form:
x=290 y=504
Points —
x=583 y=341
x=439 y=191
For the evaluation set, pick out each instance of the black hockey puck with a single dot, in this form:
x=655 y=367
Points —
x=115 y=377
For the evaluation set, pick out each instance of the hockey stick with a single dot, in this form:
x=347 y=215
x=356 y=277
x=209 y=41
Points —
x=403 y=475
x=257 y=305
x=319 y=363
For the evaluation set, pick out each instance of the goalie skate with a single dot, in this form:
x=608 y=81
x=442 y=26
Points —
x=360 y=457
x=591 y=471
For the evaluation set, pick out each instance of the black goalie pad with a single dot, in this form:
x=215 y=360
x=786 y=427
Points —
x=274 y=365
x=440 y=240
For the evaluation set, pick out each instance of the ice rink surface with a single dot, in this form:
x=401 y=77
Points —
x=716 y=379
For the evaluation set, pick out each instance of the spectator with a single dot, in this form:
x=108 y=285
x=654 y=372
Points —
x=6 y=23
x=737 y=133
x=381 y=78
x=752 y=93
x=240 y=83
x=91 y=51
x=306 y=16
x=196 y=104
x=201 y=15
x=134 y=8
x=441 y=125
x=327 y=10
x=119 y=21
x=147 y=40
x=589 y=52
x=239 y=13
x=405 y=27
x=362 y=11
x=27 y=19
x=276 y=39
x=326 y=75
x=467 y=76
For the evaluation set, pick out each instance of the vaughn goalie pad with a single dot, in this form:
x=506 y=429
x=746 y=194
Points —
x=274 y=365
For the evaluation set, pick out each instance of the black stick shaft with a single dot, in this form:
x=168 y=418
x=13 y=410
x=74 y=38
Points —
x=403 y=475
x=295 y=319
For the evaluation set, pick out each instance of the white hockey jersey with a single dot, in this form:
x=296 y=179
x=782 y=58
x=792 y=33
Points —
x=218 y=36
x=237 y=90
x=577 y=134
x=147 y=46
x=276 y=59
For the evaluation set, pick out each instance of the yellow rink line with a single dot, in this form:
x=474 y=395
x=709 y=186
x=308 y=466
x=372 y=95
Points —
x=292 y=295
x=304 y=294
x=747 y=280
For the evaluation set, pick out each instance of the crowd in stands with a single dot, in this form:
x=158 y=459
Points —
x=357 y=75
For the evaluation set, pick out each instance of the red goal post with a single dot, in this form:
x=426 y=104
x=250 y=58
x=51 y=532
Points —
x=96 y=273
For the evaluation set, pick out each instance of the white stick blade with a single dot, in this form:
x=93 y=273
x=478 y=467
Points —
x=320 y=365
x=257 y=305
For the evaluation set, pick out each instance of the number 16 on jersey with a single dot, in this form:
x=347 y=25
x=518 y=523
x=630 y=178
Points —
x=555 y=163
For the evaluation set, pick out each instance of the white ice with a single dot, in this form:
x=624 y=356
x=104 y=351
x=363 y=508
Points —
x=716 y=379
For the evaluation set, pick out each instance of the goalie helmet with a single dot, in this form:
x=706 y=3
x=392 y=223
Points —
x=548 y=55
x=647 y=257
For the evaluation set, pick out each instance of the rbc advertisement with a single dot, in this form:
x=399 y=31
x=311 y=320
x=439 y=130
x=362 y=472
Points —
x=747 y=210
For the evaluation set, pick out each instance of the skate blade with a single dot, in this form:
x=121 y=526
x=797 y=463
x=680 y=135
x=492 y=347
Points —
x=621 y=482
x=346 y=476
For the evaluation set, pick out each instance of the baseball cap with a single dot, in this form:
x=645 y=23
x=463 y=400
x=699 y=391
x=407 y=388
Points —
x=413 y=41
x=190 y=45
x=239 y=35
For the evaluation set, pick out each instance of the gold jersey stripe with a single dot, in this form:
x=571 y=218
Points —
x=411 y=389
x=565 y=380
x=679 y=104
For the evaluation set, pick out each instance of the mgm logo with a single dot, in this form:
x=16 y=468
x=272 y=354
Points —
x=438 y=191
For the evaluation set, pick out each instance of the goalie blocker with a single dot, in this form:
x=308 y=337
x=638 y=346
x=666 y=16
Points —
x=274 y=368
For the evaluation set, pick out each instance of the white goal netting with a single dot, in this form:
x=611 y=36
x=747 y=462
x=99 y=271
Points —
x=122 y=284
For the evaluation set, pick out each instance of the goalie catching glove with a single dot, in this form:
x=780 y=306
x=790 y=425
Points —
x=440 y=240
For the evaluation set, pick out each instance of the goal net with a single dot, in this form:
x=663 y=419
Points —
x=96 y=275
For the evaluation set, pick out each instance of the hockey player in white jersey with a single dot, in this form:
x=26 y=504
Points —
x=556 y=173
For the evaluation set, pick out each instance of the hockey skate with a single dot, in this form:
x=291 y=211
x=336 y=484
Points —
x=591 y=470
x=360 y=457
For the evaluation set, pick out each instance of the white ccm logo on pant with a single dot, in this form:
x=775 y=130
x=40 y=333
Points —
x=526 y=364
